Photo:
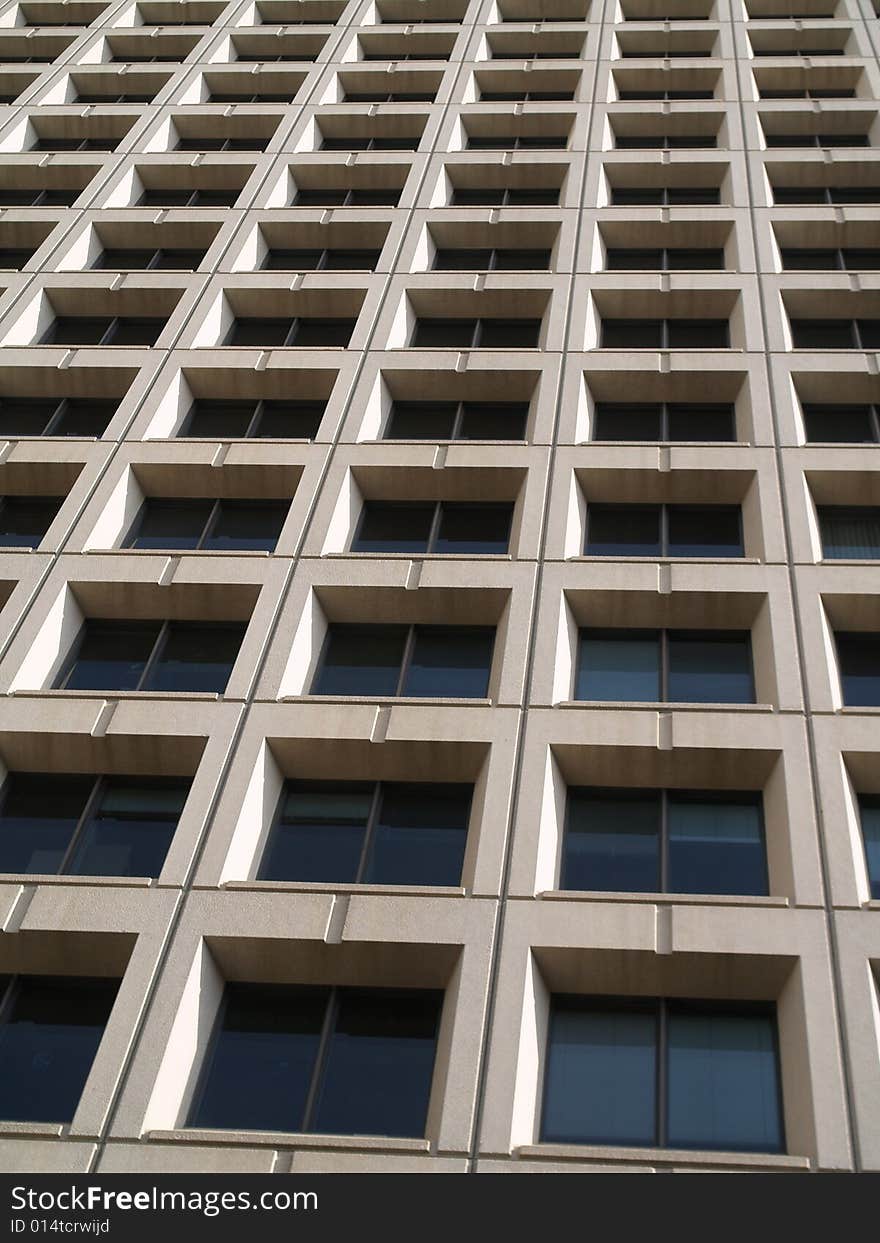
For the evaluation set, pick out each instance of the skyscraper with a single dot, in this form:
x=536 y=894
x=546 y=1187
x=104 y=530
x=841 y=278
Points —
x=440 y=669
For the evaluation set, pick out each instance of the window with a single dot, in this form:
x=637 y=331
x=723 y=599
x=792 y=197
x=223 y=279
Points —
x=379 y=833
x=433 y=527
x=665 y=666
x=663 y=421
x=664 y=841
x=379 y=142
x=619 y=259
x=159 y=196
x=123 y=98
x=205 y=143
x=257 y=97
x=161 y=260
x=832 y=92
x=816 y=140
x=476 y=334
x=826 y=194
x=836 y=424
x=869 y=812
x=845 y=259
x=321 y=260
x=389 y=97
x=850 y=533
x=399 y=57
x=55 y=416
x=24 y=520
x=665 y=334
x=39 y=196
x=345 y=1061
x=649 y=1073
x=50 y=1029
x=102 y=330
x=504 y=196
x=626 y=142
x=858 y=658
x=353 y=196
x=411 y=661
x=259 y=420
x=208 y=526
x=463 y=420
x=152 y=656
x=661 y=95
x=664 y=531
x=16 y=257
x=665 y=196
x=88 y=826
x=517 y=142
x=75 y=144
x=524 y=96
x=498 y=260
x=835 y=334
x=305 y=333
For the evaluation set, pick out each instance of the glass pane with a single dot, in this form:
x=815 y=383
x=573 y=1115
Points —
x=351 y=260
x=39 y=814
x=869 y=808
x=625 y=667
x=119 y=260
x=179 y=260
x=377 y=1072
x=462 y=260
x=723 y=1081
x=24 y=520
x=869 y=334
x=389 y=526
x=859 y=658
x=290 y=420
x=225 y=420
x=632 y=259
x=704 y=531
x=361 y=660
x=47 y=1045
x=850 y=533
x=612 y=842
x=130 y=831
x=136 y=332
x=450 y=662
x=695 y=260
x=618 y=421
x=494 y=420
x=76 y=330
x=169 y=524
x=319 y=834
x=716 y=846
x=507 y=334
x=196 y=656
x=822 y=334
x=698 y=334
x=838 y=424
x=522 y=260
x=420 y=835
x=25 y=416
x=292 y=260
x=444 y=333
x=250 y=525
x=710 y=670
x=84 y=418
x=313 y=332
x=632 y=334
x=600 y=1084
x=702 y=422
x=623 y=530
x=473 y=528
x=260 y=1065
x=421 y=420
x=258 y=332
x=112 y=656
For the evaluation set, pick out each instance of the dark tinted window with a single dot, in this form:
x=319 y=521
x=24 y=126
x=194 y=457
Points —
x=212 y=525
x=664 y=530
x=647 y=666
x=429 y=661
x=424 y=420
x=869 y=810
x=233 y=420
x=444 y=527
x=153 y=656
x=24 y=520
x=841 y=424
x=850 y=533
x=858 y=657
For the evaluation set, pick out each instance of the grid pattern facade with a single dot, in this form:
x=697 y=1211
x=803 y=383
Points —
x=555 y=219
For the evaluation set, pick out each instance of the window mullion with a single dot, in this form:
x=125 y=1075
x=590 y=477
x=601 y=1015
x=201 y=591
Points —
x=369 y=830
x=154 y=259
x=292 y=331
x=664 y=841
x=55 y=416
x=406 y=660
x=664 y=421
x=153 y=658
x=875 y=422
x=664 y=334
x=457 y=421
x=855 y=334
x=320 y=1058
x=210 y=524
x=108 y=334
x=662 y=1037
x=477 y=334
x=256 y=417
x=7 y=998
x=664 y=666
x=435 y=526
x=664 y=530
x=92 y=800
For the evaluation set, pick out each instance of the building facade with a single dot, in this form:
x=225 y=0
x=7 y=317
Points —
x=440 y=668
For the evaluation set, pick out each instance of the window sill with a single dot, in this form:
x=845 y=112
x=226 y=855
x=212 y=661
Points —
x=666 y=899
x=55 y=878
x=199 y=696
x=398 y=700
x=441 y=557
x=616 y=705
x=44 y=1130
x=178 y=552
x=384 y=891
x=663 y=1156
x=593 y=558
x=291 y=1139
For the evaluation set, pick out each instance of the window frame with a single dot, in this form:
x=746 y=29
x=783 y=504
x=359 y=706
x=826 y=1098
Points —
x=663 y=411
x=256 y=418
x=295 y=323
x=155 y=260
x=215 y=513
x=478 y=331
x=62 y=407
x=458 y=418
x=664 y=253
x=872 y=409
x=114 y=324
x=664 y=508
x=664 y=323
x=493 y=254
x=440 y=507
x=325 y=253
